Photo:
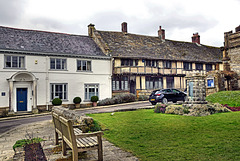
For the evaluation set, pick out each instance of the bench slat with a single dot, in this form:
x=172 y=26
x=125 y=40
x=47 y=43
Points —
x=77 y=131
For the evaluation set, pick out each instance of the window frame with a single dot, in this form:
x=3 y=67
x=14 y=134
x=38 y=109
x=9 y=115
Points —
x=20 y=64
x=53 y=91
x=151 y=63
x=197 y=66
x=63 y=66
x=88 y=66
x=187 y=66
x=167 y=64
x=129 y=62
x=153 y=82
x=120 y=83
x=207 y=67
x=87 y=94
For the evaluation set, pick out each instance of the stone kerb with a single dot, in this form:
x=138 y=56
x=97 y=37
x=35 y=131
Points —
x=85 y=122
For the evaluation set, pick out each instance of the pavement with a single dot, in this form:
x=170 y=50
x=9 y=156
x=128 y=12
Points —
x=45 y=130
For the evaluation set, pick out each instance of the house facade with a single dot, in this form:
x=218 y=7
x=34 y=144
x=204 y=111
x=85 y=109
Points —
x=39 y=66
x=145 y=63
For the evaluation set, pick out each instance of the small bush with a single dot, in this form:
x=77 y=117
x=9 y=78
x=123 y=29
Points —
x=23 y=142
x=160 y=108
x=142 y=98
x=121 y=98
x=77 y=100
x=56 y=101
x=94 y=98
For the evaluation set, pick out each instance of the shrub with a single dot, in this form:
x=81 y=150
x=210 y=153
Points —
x=142 y=98
x=94 y=98
x=106 y=101
x=23 y=142
x=121 y=98
x=126 y=97
x=160 y=108
x=77 y=100
x=56 y=101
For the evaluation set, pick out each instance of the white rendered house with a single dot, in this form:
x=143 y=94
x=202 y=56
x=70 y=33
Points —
x=38 y=66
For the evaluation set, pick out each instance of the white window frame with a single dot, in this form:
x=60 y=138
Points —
x=87 y=95
x=54 y=93
x=20 y=64
x=80 y=65
x=63 y=66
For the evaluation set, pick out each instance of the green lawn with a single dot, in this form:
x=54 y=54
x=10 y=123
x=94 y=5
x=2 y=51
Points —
x=232 y=98
x=156 y=136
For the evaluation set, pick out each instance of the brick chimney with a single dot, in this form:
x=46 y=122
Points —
x=237 y=28
x=196 y=38
x=91 y=29
x=124 y=27
x=161 y=33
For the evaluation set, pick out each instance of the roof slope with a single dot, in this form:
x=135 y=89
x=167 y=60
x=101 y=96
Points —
x=47 y=42
x=138 y=46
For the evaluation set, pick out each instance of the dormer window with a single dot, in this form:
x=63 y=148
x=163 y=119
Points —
x=199 y=66
x=167 y=64
x=151 y=63
x=187 y=66
x=129 y=62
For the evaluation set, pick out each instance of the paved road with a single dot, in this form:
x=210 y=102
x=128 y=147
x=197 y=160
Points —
x=6 y=125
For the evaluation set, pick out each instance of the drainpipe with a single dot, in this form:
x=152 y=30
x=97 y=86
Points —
x=47 y=81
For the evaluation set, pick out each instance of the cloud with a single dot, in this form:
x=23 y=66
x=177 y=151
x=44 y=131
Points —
x=11 y=11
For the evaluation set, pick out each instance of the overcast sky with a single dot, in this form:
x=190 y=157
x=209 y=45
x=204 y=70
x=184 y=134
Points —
x=179 y=18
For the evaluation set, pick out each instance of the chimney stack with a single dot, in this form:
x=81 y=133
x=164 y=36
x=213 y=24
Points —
x=161 y=33
x=196 y=38
x=124 y=27
x=237 y=28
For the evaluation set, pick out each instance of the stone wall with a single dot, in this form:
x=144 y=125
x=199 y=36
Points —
x=234 y=55
x=219 y=83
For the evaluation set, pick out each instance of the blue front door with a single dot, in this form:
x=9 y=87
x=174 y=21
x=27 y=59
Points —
x=21 y=99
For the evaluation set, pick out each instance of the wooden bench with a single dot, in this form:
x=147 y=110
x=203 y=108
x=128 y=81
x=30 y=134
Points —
x=75 y=139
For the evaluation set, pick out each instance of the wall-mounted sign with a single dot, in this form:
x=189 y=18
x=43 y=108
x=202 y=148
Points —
x=210 y=82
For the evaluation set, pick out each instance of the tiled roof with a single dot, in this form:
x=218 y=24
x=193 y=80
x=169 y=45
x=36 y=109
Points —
x=47 y=42
x=149 y=47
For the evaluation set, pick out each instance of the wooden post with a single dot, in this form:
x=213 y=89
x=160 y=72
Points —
x=100 y=150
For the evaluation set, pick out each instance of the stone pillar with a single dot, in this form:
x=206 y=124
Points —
x=196 y=88
x=10 y=95
x=35 y=110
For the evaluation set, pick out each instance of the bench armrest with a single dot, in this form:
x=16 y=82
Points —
x=83 y=135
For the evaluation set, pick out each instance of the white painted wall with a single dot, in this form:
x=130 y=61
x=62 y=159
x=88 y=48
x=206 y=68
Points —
x=39 y=67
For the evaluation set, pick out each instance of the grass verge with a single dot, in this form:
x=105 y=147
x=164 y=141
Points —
x=155 y=136
x=231 y=98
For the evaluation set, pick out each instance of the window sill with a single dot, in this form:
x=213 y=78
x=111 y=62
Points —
x=85 y=71
x=58 y=70
x=15 y=68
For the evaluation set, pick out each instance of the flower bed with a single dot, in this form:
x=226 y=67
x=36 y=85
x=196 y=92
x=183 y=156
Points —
x=232 y=108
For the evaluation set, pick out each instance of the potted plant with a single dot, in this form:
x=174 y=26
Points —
x=57 y=102
x=77 y=101
x=94 y=100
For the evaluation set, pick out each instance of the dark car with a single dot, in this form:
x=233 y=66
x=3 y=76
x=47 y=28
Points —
x=166 y=95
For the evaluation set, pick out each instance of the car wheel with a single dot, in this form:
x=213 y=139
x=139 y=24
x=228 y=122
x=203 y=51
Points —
x=153 y=103
x=164 y=101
